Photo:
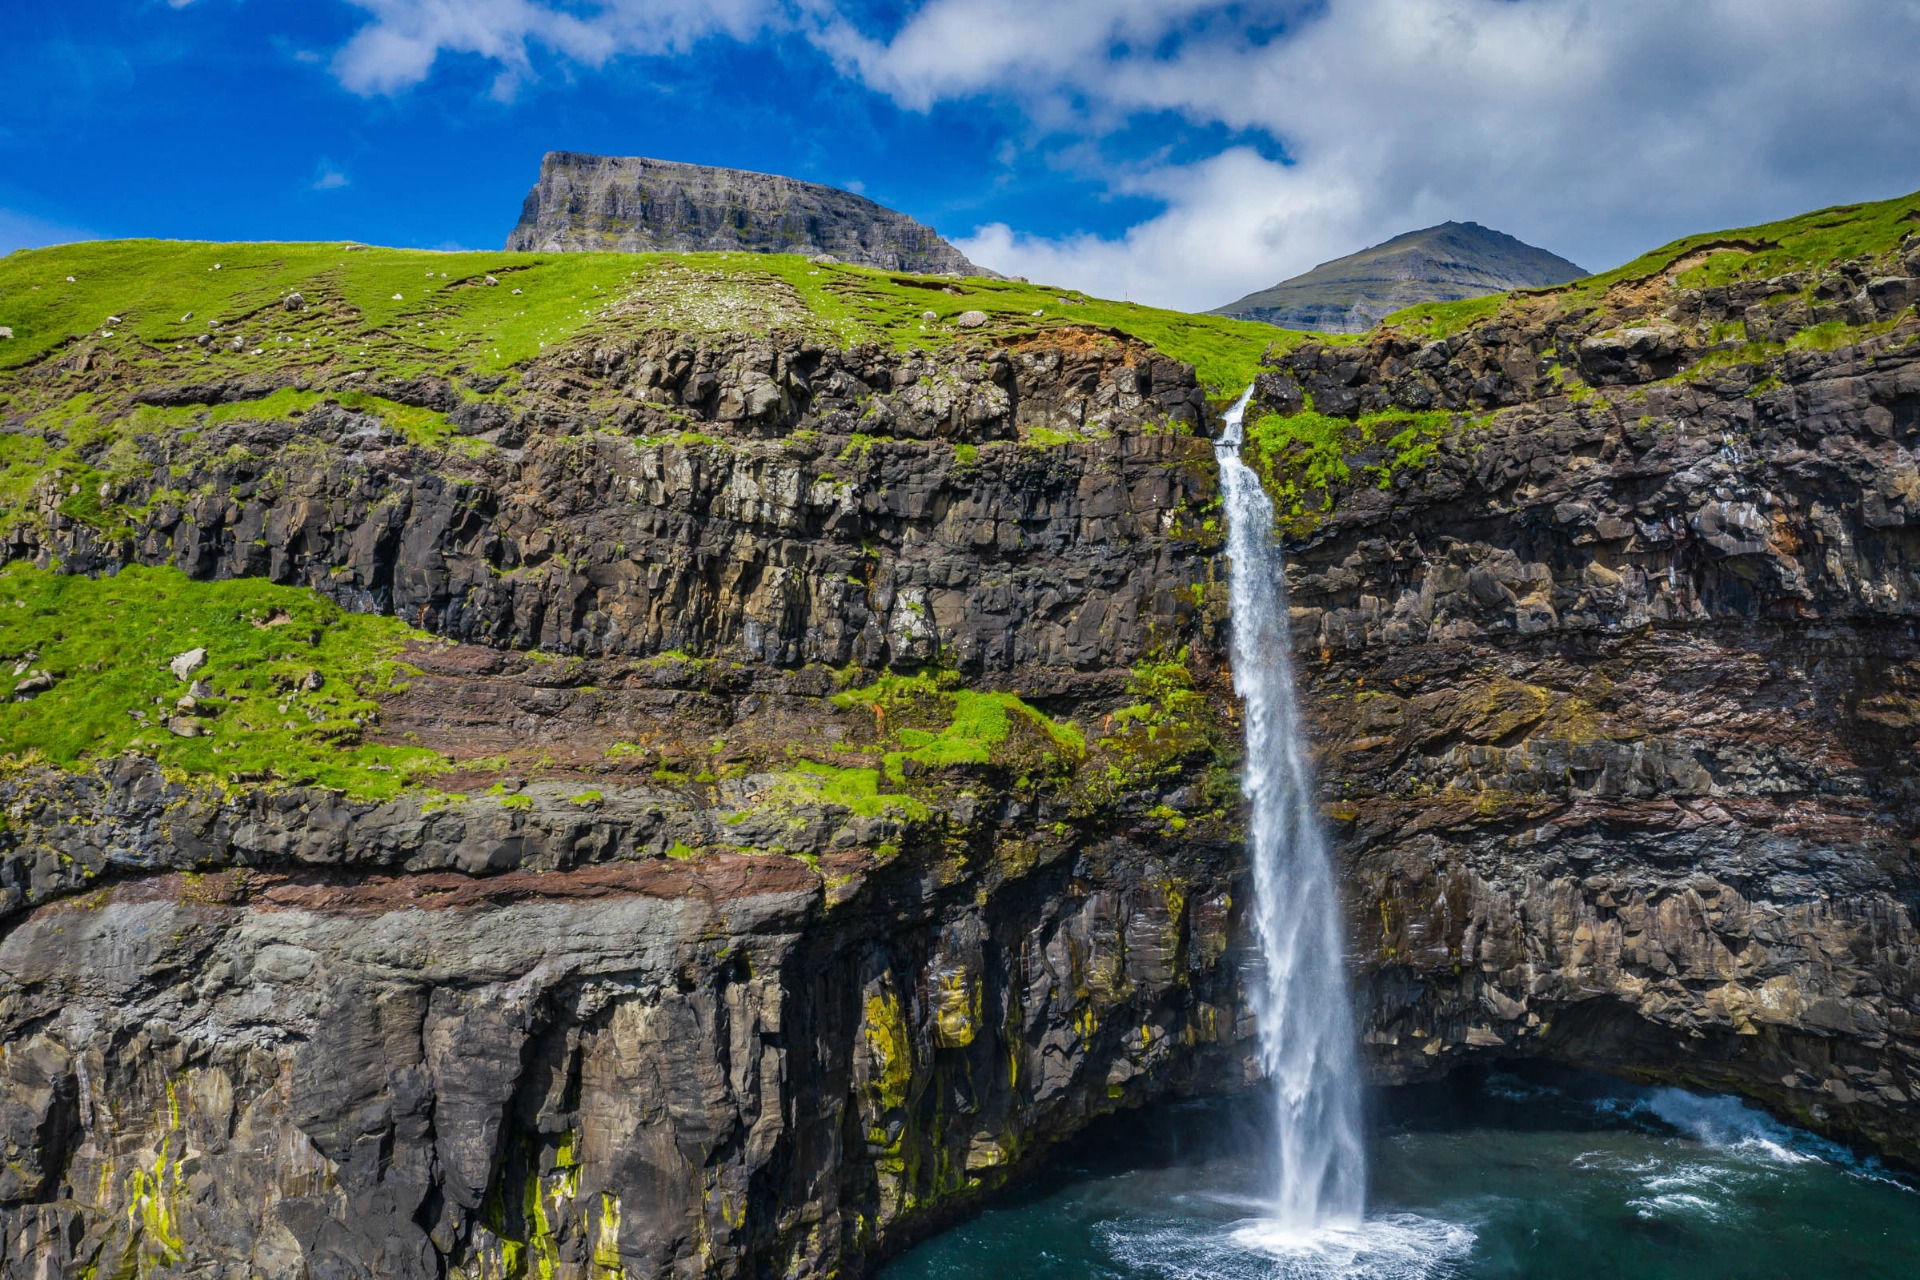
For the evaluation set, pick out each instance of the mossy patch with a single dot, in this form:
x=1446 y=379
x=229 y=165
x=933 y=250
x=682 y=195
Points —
x=810 y=782
x=930 y=722
x=293 y=679
x=1303 y=458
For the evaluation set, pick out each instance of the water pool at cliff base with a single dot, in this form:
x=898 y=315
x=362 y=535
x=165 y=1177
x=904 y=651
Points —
x=1532 y=1172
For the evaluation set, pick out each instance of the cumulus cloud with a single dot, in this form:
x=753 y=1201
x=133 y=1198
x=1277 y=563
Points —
x=398 y=47
x=1593 y=127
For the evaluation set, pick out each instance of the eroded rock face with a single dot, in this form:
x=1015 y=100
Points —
x=1616 y=703
x=1614 y=696
x=631 y=204
x=650 y=1000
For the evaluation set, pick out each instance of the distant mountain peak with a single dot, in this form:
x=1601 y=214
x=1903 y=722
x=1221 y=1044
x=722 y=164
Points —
x=634 y=204
x=1442 y=263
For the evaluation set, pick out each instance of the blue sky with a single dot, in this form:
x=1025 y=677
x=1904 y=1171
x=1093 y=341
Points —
x=1175 y=151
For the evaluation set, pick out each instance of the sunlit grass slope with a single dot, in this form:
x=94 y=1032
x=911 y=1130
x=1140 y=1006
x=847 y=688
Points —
x=416 y=311
x=1710 y=258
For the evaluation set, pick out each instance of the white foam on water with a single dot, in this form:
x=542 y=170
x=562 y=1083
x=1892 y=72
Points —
x=1398 y=1246
x=1676 y=1204
x=1728 y=1124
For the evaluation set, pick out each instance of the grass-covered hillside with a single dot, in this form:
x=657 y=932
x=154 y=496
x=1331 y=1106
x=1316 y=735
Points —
x=1701 y=261
x=180 y=306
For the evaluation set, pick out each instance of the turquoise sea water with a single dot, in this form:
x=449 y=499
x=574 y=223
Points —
x=1539 y=1175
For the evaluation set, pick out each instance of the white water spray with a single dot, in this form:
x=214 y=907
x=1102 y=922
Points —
x=1306 y=1025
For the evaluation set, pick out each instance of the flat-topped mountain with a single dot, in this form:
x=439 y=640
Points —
x=1446 y=263
x=631 y=204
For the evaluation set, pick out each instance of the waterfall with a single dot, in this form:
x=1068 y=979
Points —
x=1300 y=994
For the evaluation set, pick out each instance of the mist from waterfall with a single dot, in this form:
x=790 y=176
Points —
x=1300 y=992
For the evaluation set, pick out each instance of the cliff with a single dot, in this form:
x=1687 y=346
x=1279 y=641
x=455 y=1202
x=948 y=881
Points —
x=706 y=767
x=621 y=807
x=1605 y=601
x=1447 y=263
x=630 y=204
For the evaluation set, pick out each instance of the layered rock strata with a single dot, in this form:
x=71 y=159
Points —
x=642 y=988
x=1617 y=689
x=705 y=961
x=630 y=204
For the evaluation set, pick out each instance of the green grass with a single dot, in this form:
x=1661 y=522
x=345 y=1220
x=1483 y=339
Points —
x=929 y=720
x=107 y=642
x=810 y=782
x=446 y=316
x=1432 y=320
x=1759 y=252
x=1302 y=458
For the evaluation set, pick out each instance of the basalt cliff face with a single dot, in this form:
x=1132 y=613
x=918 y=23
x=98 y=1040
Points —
x=721 y=952
x=1616 y=679
x=837 y=799
x=631 y=204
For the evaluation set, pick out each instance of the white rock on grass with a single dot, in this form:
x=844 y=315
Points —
x=185 y=664
x=930 y=316
x=5 y=332
x=971 y=319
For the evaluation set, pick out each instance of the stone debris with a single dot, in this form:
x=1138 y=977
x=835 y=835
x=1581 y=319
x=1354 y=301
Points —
x=36 y=682
x=184 y=727
x=970 y=319
x=5 y=332
x=295 y=302
x=183 y=665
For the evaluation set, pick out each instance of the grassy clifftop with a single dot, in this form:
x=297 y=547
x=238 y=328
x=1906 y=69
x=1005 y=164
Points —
x=1702 y=261
x=403 y=312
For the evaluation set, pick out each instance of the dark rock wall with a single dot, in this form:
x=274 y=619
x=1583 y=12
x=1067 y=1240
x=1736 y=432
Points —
x=503 y=1028
x=1616 y=698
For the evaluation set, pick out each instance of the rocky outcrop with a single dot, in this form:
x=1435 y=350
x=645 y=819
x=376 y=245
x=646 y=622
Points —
x=1452 y=261
x=630 y=204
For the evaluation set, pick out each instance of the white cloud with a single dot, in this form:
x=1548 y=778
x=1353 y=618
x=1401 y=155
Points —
x=398 y=48
x=1594 y=127
x=1232 y=218
x=330 y=179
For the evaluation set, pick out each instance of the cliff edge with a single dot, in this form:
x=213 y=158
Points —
x=631 y=204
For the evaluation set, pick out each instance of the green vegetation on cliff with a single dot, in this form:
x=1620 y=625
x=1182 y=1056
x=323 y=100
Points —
x=927 y=720
x=1303 y=457
x=287 y=688
x=178 y=307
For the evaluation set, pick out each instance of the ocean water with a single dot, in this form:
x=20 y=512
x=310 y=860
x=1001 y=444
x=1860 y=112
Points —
x=1533 y=1172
